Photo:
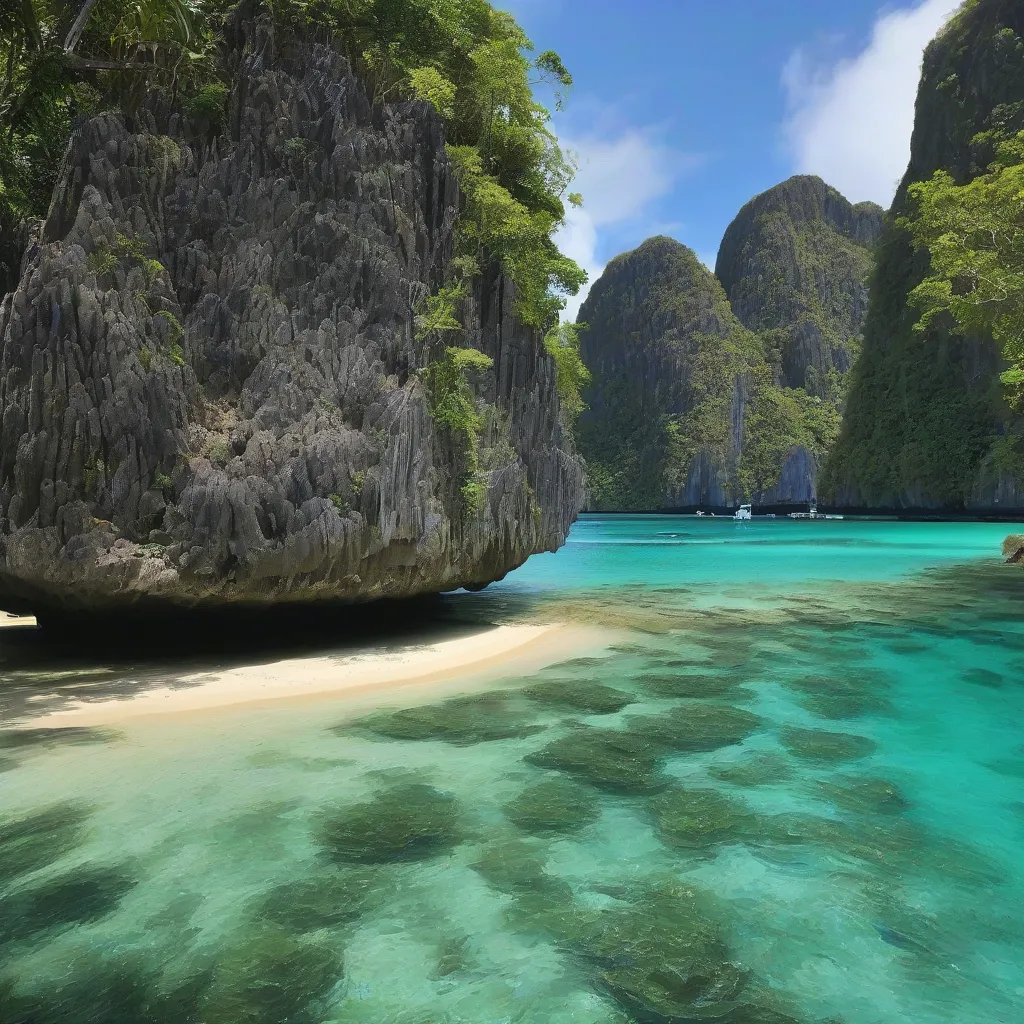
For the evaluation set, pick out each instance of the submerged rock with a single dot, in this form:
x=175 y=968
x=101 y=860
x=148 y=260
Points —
x=461 y=721
x=754 y=769
x=866 y=795
x=664 y=960
x=209 y=371
x=620 y=762
x=696 y=726
x=690 y=684
x=826 y=747
x=321 y=901
x=269 y=976
x=555 y=805
x=698 y=818
x=580 y=695
x=406 y=822
x=31 y=842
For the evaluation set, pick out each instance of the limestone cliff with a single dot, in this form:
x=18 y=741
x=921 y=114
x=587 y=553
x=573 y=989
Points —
x=795 y=262
x=926 y=425
x=671 y=367
x=689 y=407
x=209 y=371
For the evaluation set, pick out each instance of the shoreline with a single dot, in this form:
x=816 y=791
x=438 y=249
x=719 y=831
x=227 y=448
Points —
x=373 y=670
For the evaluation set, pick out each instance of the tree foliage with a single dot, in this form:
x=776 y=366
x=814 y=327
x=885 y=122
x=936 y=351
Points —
x=974 y=234
x=64 y=58
x=475 y=65
x=562 y=343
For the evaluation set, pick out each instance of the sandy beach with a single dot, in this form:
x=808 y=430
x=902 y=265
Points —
x=516 y=648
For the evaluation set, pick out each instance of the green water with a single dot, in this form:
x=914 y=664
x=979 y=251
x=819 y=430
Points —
x=790 y=787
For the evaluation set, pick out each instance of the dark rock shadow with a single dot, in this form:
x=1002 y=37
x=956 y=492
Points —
x=100 y=657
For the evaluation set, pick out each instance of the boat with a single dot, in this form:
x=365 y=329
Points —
x=744 y=512
x=812 y=514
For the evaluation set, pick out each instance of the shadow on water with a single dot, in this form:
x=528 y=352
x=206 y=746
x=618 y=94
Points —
x=86 y=658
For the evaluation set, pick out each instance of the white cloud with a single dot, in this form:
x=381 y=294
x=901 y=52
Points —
x=620 y=178
x=850 y=122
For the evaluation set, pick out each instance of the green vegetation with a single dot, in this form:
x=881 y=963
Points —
x=974 y=235
x=677 y=365
x=62 y=60
x=453 y=406
x=781 y=419
x=562 y=343
x=475 y=65
x=927 y=418
x=472 y=62
x=794 y=264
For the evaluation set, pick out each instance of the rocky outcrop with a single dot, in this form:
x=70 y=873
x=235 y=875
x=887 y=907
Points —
x=925 y=426
x=796 y=261
x=671 y=364
x=209 y=375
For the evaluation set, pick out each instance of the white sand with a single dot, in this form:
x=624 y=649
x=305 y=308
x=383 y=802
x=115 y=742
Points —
x=512 y=648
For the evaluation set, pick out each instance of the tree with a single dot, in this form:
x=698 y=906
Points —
x=975 y=236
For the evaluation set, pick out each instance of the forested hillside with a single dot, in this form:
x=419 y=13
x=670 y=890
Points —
x=930 y=421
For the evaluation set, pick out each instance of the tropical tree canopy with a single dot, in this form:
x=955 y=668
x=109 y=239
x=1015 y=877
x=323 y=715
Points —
x=64 y=58
x=975 y=235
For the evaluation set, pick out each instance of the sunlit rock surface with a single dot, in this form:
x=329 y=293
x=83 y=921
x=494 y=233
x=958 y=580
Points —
x=208 y=373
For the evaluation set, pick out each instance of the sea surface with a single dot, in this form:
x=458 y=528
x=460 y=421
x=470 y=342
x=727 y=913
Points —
x=789 y=786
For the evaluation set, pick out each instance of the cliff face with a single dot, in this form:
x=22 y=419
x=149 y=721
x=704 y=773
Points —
x=925 y=423
x=671 y=367
x=208 y=374
x=705 y=397
x=796 y=261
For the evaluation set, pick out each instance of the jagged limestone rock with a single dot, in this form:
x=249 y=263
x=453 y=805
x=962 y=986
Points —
x=925 y=424
x=796 y=260
x=664 y=348
x=209 y=388
x=688 y=407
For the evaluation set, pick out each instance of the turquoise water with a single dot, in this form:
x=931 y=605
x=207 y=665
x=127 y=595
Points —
x=789 y=786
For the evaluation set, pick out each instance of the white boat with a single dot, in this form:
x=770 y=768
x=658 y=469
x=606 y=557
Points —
x=744 y=512
x=812 y=514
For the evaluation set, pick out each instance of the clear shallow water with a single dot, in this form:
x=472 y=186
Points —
x=791 y=789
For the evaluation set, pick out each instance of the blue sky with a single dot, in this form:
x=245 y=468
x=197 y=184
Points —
x=684 y=109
